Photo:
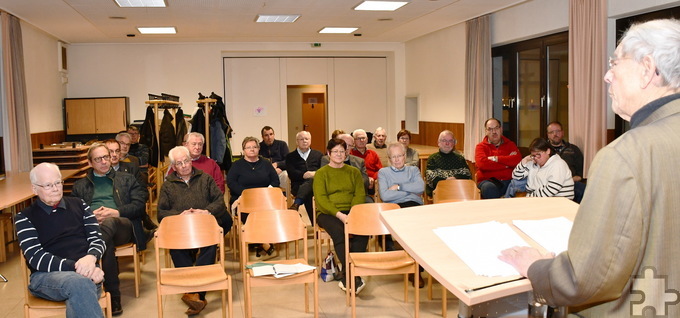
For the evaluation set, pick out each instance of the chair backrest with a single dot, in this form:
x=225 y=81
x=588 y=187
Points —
x=364 y=219
x=455 y=189
x=273 y=226
x=188 y=231
x=260 y=199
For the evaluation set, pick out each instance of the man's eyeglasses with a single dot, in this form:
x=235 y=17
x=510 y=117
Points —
x=493 y=128
x=337 y=152
x=395 y=157
x=182 y=163
x=124 y=143
x=447 y=141
x=99 y=159
x=50 y=186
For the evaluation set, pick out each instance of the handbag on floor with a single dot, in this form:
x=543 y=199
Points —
x=329 y=268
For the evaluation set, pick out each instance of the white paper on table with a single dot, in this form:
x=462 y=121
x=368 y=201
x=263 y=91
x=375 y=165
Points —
x=552 y=234
x=479 y=246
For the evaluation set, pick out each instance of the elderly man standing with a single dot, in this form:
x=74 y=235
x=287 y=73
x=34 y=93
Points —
x=371 y=158
x=446 y=163
x=118 y=202
x=195 y=142
x=61 y=243
x=191 y=191
x=379 y=145
x=301 y=165
x=495 y=158
x=624 y=243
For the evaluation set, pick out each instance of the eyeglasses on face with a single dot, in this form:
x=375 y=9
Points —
x=404 y=138
x=182 y=163
x=397 y=156
x=537 y=155
x=251 y=148
x=447 y=141
x=99 y=159
x=50 y=186
x=337 y=152
x=497 y=128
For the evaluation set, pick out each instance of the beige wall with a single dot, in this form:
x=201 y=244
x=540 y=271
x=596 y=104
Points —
x=44 y=85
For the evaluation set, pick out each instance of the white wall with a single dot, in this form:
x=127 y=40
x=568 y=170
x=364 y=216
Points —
x=529 y=20
x=43 y=80
x=435 y=72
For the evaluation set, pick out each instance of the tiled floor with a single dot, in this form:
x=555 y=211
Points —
x=382 y=297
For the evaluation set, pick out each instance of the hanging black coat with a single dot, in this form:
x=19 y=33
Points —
x=180 y=127
x=148 y=136
x=166 y=138
x=219 y=112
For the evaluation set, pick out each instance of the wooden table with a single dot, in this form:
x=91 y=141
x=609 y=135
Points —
x=413 y=228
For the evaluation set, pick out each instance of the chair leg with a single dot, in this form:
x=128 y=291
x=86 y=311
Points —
x=429 y=287
x=444 y=294
x=316 y=296
x=138 y=274
x=306 y=298
x=350 y=288
x=416 y=290
x=160 y=304
x=406 y=288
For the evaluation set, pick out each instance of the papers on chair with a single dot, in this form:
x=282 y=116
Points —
x=279 y=270
x=552 y=234
x=479 y=246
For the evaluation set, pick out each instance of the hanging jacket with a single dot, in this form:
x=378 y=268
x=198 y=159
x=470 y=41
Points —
x=220 y=113
x=180 y=127
x=166 y=138
x=148 y=135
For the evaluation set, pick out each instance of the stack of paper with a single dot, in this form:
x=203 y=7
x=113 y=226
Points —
x=279 y=270
x=479 y=246
x=552 y=234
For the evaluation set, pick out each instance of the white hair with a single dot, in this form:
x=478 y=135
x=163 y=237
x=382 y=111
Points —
x=395 y=145
x=33 y=175
x=354 y=133
x=194 y=134
x=661 y=40
x=176 y=151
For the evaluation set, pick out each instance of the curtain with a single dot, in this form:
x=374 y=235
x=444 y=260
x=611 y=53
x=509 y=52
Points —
x=478 y=98
x=16 y=130
x=587 y=66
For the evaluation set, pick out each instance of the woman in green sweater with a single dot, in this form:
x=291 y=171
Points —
x=338 y=187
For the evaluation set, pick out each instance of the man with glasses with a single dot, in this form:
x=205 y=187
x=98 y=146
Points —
x=495 y=158
x=125 y=140
x=446 y=163
x=571 y=154
x=195 y=142
x=379 y=145
x=138 y=149
x=371 y=158
x=118 y=202
x=127 y=167
x=61 y=243
x=302 y=165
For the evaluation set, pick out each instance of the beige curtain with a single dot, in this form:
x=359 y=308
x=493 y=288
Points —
x=587 y=65
x=16 y=131
x=478 y=71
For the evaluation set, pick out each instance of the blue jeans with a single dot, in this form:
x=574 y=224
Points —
x=79 y=292
x=490 y=190
x=516 y=186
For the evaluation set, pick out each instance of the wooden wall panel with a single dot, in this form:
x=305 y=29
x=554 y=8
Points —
x=47 y=138
x=428 y=133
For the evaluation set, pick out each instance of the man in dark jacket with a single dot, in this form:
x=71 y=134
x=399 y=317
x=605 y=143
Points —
x=301 y=165
x=118 y=202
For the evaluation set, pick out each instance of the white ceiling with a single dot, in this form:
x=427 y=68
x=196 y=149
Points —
x=90 y=21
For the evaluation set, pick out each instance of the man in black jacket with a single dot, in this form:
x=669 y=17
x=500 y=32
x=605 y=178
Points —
x=118 y=202
x=301 y=165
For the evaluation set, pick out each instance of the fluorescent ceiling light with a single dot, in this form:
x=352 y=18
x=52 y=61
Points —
x=157 y=30
x=380 y=5
x=141 y=3
x=281 y=18
x=337 y=30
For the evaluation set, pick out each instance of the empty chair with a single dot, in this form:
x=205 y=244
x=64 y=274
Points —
x=258 y=199
x=455 y=190
x=277 y=226
x=189 y=232
x=364 y=219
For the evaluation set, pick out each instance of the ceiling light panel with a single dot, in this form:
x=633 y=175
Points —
x=277 y=18
x=337 y=30
x=380 y=5
x=157 y=30
x=141 y=3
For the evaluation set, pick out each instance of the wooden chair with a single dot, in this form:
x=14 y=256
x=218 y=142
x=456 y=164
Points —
x=127 y=250
x=39 y=307
x=259 y=199
x=277 y=226
x=364 y=219
x=455 y=189
x=188 y=232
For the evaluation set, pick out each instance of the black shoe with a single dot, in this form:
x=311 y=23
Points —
x=421 y=282
x=148 y=224
x=116 y=307
x=149 y=234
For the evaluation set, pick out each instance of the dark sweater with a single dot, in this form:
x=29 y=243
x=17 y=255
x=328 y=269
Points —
x=54 y=241
x=245 y=175
x=200 y=193
x=276 y=153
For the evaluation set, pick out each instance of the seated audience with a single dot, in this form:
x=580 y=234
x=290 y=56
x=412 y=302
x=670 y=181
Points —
x=137 y=149
x=379 y=145
x=191 y=191
x=61 y=242
x=495 y=158
x=125 y=140
x=399 y=183
x=446 y=163
x=337 y=188
x=118 y=202
x=542 y=173
x=127 y=167
x=336 y=133
x=195 y=142
x=371 y=158
x=571 y=154
x=251 y=171
x=302 y=164
x=275 y=150
x=412 y=156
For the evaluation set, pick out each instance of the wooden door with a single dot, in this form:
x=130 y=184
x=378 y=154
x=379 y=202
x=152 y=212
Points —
x=80 y=116
x=314 y=119
x=111 y=115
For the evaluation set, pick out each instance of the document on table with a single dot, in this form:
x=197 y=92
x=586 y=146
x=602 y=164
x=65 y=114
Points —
x=279 y=270
x=552 y=234
x=479 y=246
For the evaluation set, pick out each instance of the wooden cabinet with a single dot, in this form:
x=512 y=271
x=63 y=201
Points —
x=107 y=115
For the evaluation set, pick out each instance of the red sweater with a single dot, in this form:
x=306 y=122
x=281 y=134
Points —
x=371 y=160
x=508 y=157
